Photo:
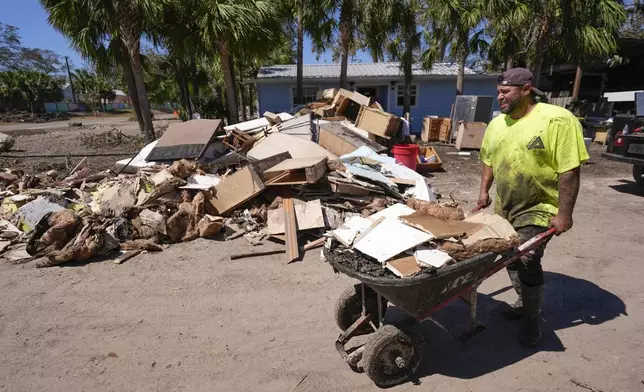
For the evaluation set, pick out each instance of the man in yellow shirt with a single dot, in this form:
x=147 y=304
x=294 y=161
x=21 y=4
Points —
x=534 y=152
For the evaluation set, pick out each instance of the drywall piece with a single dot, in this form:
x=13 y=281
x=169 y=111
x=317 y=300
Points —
x=353 y=226
x=202 y=182
x=366 y=152
x=440 y=228
x=236 y=189
x=389 y=238
x=370 y=175
x=402 y=172
x=132 y=165
x=31 y=213
x=187 y=140
x=248 y=125
x=403 y=267
x=277 y=143
x=422 y=192
x=308 y=214
x=301 y=127
x=340 y=140
x=394 y=211
x=426 y=257
x=296 y=171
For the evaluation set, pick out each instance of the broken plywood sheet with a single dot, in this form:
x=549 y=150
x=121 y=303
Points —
x=426 y=257
x=403 y=267
x=340 y=140
x=308 y=215
x=390 y=238
x=353 y=226
x=236 y=189
x=296 y=171
x=394 y=211
x=440 y=228
x=187 y=140
x=277 y=143
x=263 y=164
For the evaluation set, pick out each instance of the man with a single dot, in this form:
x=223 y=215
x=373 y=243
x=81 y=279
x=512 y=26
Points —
x=534 y=152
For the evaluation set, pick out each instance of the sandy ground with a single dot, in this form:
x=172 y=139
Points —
x=189 y=319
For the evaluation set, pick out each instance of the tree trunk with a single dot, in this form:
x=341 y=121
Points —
x=299 y=94
x=542 y=42
x=374 y=57
x=242 y=100
x=460 y=75
x=510 y=62
x=194 y=72
x=133 y=46
x=577 y=85
x=345 y=39
x=229 y=81
x=251 y=100
x=407 y=71
x=185 y=91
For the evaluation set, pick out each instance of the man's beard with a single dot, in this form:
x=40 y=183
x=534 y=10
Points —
x=512 y=105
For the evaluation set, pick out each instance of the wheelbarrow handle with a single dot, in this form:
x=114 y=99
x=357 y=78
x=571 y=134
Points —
x=535 y=241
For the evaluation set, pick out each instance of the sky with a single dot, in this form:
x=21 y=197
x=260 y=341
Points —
x=30 y=17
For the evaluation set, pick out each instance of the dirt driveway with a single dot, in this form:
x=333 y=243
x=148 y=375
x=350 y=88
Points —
x=189 y=319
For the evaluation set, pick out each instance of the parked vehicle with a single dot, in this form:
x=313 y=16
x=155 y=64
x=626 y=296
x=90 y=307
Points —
x=625 y=143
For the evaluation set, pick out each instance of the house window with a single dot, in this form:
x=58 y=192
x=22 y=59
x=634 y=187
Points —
x=309 y=94
x=400 y=96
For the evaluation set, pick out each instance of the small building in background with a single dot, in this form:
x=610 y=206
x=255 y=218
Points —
x=433 y=92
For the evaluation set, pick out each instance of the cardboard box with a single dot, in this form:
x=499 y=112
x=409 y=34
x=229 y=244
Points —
x=470 y=135
x=341 y=140
x=378 y=122
x=428 y=152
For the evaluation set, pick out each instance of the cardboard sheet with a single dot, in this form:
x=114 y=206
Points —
x=404 y=266
x=440 y=228
x=390 y=238
x=184 y=140
x=495 y=226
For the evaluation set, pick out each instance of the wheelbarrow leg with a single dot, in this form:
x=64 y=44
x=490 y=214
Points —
x=475 y=326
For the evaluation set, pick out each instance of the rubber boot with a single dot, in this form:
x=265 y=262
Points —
x=530 y=334
x=515 y=311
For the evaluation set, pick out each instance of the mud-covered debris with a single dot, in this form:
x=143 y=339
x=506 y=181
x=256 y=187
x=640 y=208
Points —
x=460 y=252
x=182 y=169
x=141 y=244
x=53 y=232
x=436 y=210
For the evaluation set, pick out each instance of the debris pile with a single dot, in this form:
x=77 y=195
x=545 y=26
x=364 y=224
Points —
x=320 y=176
x=19 y=116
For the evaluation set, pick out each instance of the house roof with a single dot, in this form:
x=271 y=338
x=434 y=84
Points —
x=356 y=70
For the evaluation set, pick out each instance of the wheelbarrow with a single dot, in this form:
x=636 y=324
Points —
x=393 y=353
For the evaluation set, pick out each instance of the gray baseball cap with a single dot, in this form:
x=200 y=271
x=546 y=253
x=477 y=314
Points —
x=518 y=77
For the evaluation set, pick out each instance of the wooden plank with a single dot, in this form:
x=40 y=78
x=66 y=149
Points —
x=255 y=254
x=290 y=226
x=236 y=189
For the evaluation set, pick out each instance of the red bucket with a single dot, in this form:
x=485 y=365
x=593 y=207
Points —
x=406 y=154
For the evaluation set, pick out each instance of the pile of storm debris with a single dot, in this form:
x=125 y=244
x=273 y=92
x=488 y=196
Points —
x=21 y=116
x=300 y=180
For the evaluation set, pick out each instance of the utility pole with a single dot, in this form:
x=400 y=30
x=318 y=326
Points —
x=71 y=82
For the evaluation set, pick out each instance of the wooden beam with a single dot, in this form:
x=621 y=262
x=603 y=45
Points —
x=290 y=226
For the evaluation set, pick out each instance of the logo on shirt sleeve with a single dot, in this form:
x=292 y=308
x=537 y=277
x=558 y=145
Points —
x=536 y=143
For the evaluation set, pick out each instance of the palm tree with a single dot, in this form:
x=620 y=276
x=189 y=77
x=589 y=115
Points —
x=229 y=26
x=456 y=24
x=120 y=24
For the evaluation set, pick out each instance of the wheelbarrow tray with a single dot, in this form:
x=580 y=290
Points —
x=421 y=294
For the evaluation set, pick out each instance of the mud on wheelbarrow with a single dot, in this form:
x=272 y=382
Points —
x=393 y=353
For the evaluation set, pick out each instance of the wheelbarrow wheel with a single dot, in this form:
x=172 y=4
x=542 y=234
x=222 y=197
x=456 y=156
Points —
x=391 y=356
x=349 y=307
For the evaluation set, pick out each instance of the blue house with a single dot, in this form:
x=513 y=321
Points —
x=432 y=92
